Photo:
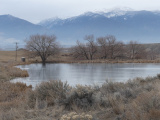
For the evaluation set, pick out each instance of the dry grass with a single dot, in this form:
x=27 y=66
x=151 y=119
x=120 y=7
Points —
x=8 y=72
x=8 y=56
x=75 y=116
x=134 y=100
x=12 y=100
x=137 y=99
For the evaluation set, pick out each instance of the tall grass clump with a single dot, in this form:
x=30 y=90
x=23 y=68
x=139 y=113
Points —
x=12 y=95
x=8 y=72
x=10 y=91
x=17 y=72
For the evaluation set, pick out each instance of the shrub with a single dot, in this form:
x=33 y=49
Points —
x=148 y=101
x=110 y=87
x=49 y=92
x=154 y=114
x=158 y=76
x=7 y=116
x=31 y=99
x=81 y=96
x=148 y=87
x=128 y=93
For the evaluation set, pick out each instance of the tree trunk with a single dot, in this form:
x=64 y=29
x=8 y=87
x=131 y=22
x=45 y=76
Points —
x=43 y=60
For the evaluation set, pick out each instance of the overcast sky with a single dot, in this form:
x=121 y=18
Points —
x=37 y=10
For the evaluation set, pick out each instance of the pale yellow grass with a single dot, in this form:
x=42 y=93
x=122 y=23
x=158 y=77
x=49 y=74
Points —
x=10 y=56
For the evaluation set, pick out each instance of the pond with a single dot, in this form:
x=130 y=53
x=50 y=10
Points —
x=87 y=74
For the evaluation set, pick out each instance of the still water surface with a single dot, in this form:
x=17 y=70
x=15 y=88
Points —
x=87 y=74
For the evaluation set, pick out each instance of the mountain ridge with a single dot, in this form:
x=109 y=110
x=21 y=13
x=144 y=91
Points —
x=15 y=29
x=142 y=26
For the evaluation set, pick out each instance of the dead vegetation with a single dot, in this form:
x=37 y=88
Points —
x=8 y=72
x=137 y=99
x=133 y=100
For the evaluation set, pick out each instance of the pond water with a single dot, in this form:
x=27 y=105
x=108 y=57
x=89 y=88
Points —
x=87 y=74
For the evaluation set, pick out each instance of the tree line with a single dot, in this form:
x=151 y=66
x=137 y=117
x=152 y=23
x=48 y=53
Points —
x=106 y=47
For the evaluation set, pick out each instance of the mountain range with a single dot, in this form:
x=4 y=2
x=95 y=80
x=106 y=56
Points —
x=141 y=26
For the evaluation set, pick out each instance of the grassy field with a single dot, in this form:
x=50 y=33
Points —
x=137 y=99
x=10 y=56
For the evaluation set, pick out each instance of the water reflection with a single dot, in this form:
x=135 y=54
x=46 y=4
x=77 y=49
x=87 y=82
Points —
x=87 y=74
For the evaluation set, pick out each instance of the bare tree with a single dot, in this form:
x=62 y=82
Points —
x=136 y=50
x=42 y=46
x=152 y=54
x=132 y=49
x=80 y=51
x=91 y=46
x=85 y=51
x=103 y=47
x=112 y=47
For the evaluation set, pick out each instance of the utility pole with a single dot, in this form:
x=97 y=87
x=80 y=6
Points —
x=16 y=51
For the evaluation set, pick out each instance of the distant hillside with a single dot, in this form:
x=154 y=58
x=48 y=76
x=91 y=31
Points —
x=13 y=29
x=141 y=26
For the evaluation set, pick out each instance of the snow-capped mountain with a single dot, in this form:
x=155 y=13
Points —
x=142 y=26
x=50 y=22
